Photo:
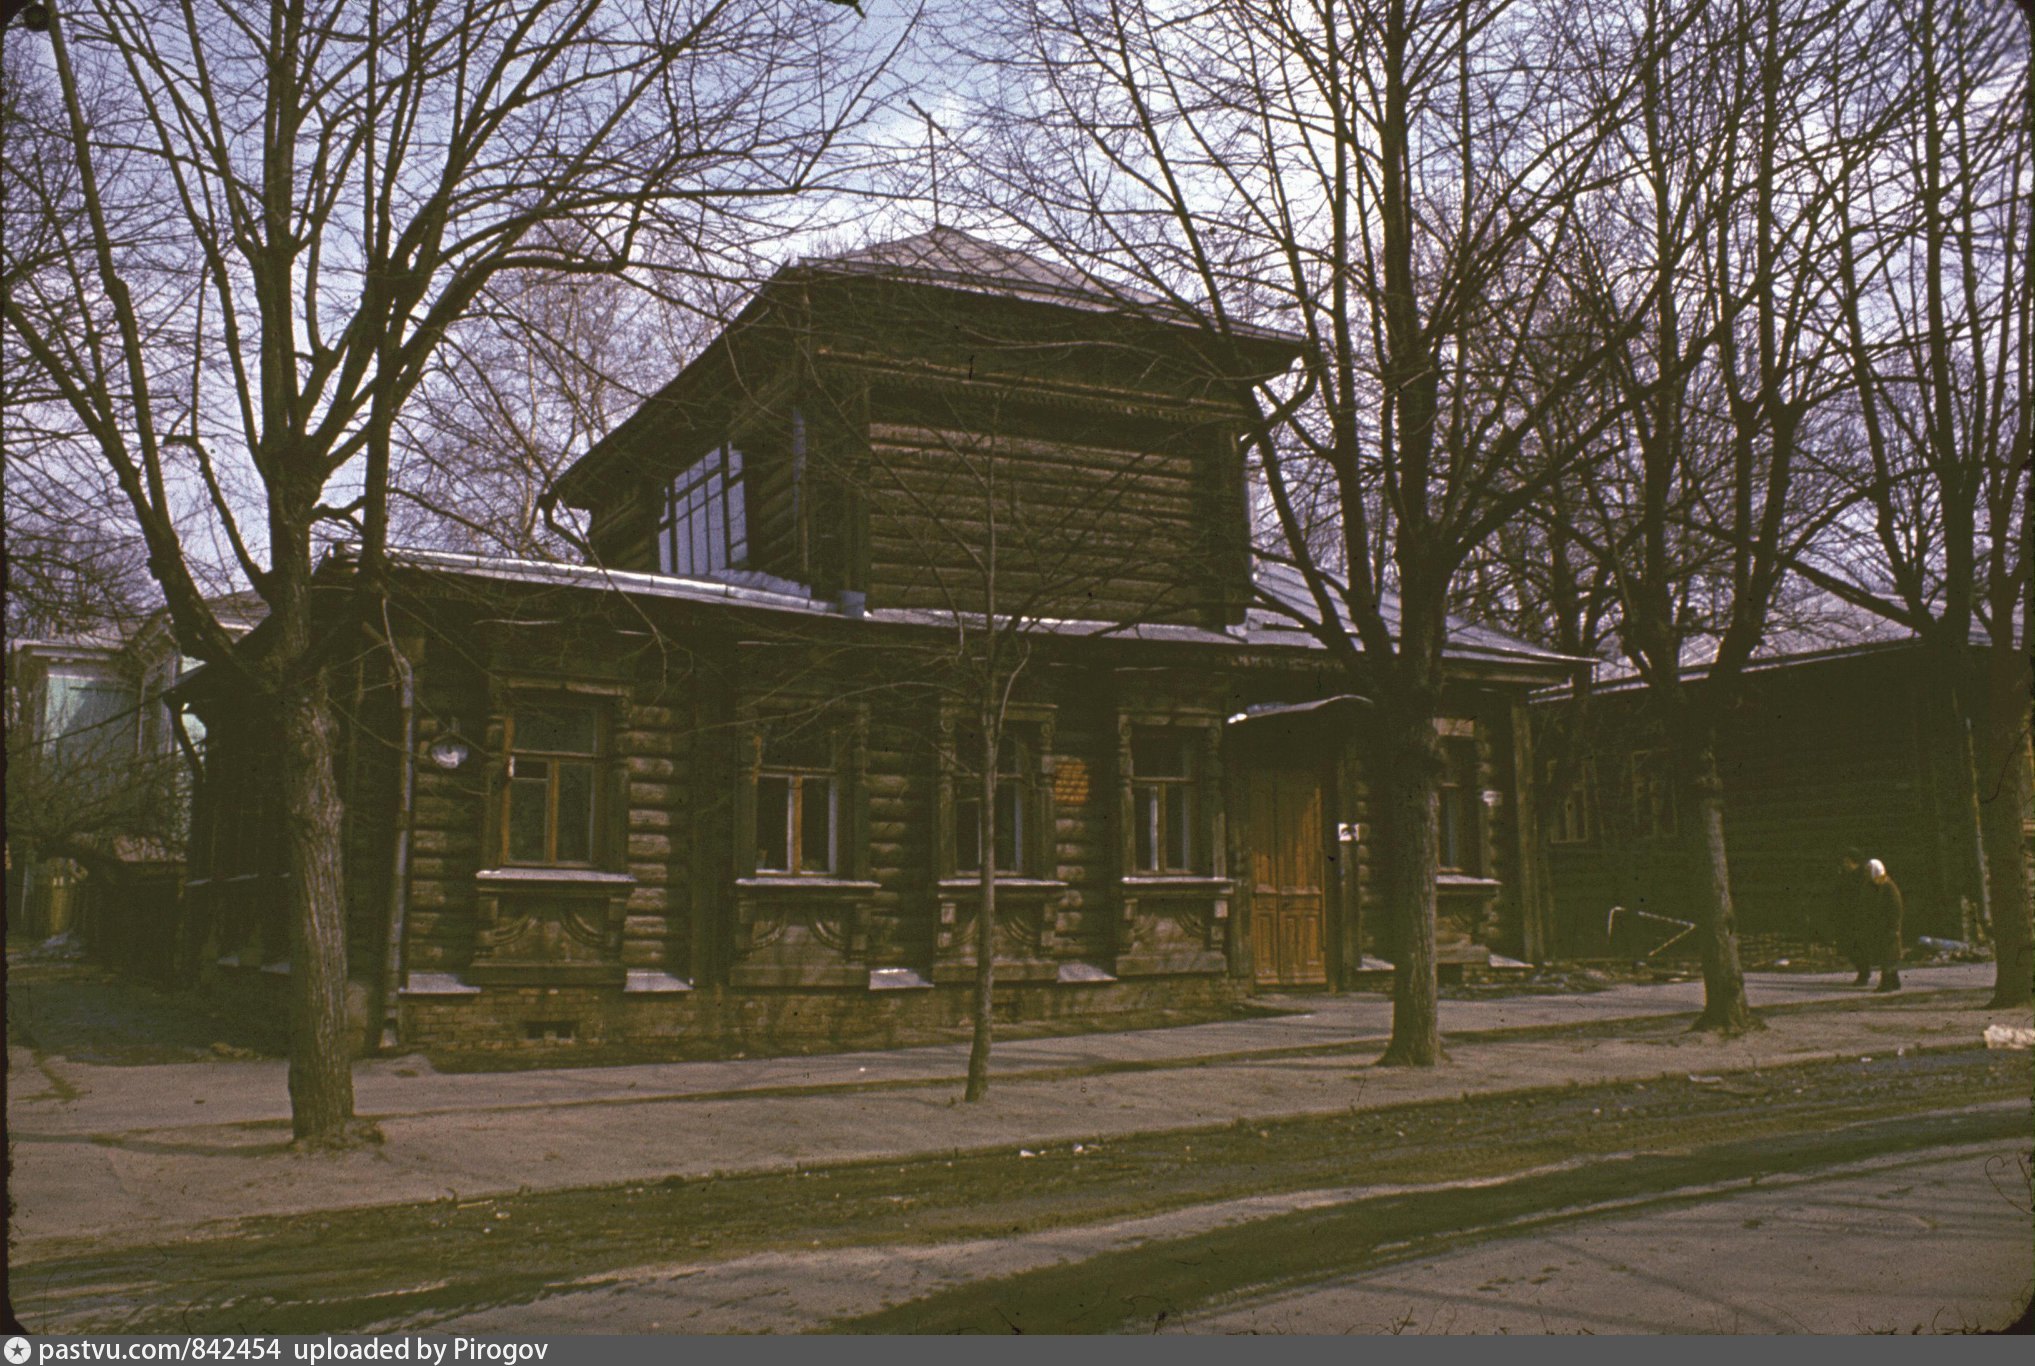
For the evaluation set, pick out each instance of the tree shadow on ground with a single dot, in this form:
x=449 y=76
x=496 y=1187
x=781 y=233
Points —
x=77 y=1009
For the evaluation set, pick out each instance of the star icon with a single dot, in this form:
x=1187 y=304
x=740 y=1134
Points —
x=17 y=1350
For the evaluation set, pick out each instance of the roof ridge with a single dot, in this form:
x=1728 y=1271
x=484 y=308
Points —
x=944 y=252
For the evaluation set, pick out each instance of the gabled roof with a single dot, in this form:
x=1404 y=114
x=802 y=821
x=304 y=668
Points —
x=238 y=612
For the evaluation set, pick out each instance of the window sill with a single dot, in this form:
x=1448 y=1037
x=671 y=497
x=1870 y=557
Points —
x=1464 y=882
x=804 y=882
x=1082 y=974
x=652 y=982
x=1175 y=882
x=426 y=984
x=1005 y=882
x=553 y=877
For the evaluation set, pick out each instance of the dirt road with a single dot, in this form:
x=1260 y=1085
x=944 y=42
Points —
x=1128 y=1234
x=1930 y=1242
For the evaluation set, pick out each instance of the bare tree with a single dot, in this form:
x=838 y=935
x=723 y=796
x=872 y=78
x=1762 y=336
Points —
x=1931 y=275
x=1540 y=578
x=1400 y=182
x=541 y=368
x=70 y=570
x=71 y=567
x=278 y=214
x=1729 y=205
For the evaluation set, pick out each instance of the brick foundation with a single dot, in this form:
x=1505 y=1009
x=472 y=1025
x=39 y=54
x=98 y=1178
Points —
x=719 y=1021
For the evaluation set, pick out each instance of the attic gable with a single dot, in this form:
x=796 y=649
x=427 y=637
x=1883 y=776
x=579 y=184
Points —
x=947 y=261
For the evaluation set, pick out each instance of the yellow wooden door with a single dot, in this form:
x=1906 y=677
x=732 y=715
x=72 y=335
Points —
x=1288 y=914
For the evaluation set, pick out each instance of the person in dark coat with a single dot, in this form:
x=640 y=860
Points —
x=1851 y=913
x=1883 y=923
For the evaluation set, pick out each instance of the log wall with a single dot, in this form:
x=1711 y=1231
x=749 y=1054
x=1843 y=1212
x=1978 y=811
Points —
x=1823 y=756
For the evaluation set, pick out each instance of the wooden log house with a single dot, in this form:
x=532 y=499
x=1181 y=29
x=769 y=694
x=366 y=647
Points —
x=1838 y=741
x=714 y=785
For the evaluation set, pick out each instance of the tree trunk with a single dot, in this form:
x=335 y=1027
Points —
x=1724 y=1004
x=321 y=1053
x=985 y=933
x=1412 y=772
x=1959 y=842
x=2004 y=794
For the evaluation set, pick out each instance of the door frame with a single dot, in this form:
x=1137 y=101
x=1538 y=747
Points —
x=1297 y=744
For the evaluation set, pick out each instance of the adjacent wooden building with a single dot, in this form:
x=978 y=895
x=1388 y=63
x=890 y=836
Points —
x=716 y=784
x=1832 y=746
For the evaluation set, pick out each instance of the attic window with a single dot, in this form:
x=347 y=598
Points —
x=705 y=525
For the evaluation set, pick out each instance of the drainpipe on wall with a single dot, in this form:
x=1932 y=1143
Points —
x=19 y=910
x=1975 y=921
x=399 y=878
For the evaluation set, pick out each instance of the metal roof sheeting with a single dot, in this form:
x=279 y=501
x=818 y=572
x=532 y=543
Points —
x=1263 y=627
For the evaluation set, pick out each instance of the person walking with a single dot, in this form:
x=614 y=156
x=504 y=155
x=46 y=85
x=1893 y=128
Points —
x=1851 y=910
x=1884 y=909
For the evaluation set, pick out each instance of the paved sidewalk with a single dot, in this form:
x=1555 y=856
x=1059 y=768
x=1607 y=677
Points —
x=142 y=1153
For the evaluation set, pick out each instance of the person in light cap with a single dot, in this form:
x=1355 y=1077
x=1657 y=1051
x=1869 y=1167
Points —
x=1884 y=910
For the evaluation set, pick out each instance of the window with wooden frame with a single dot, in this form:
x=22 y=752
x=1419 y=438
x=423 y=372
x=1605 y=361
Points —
x=1460 y=842
x=1572 y=811
x=798 y=804
x=552 y=792
x=705 y=523
x=1013 y=792
x=1165 y=800
x=1651 y=783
